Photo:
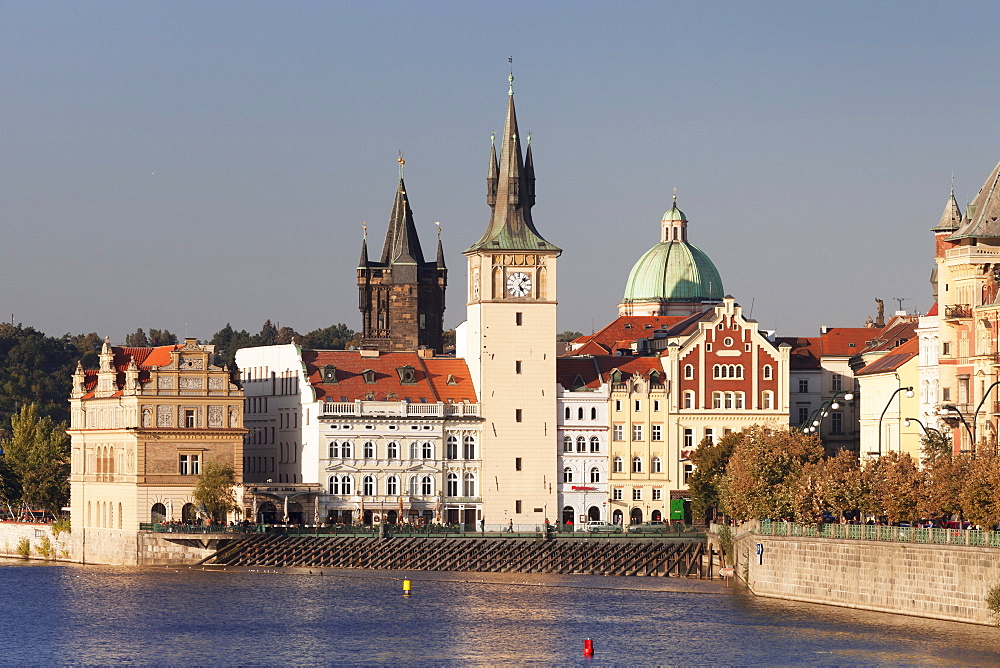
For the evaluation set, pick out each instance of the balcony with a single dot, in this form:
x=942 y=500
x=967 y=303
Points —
x=396 y=409
x=956 y=311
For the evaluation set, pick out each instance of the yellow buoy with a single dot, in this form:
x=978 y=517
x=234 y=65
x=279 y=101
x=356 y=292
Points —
x=406 y=587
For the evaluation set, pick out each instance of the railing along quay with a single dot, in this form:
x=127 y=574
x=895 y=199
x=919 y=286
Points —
x=880 y=532
x=596 y=556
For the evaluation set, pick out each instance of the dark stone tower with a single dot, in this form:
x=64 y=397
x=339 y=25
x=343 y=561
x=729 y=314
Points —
x=401 y=296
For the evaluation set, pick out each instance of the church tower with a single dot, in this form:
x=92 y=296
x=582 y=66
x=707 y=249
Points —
x=401 y=297
x=511 y=342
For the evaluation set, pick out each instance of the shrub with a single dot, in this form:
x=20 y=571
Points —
x=993 y=601
x=61 y=525
x=24 y=548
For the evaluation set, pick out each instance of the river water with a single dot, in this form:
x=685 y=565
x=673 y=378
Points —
x=68 y=614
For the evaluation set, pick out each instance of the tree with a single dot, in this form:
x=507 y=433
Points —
x=35 y=368
x=762 y=471
x=809 y=493
x=980 y=495
x=710 y=461
x=845 y=487
x=87 y=346
x=137 y=339
x=268 y=335
x=161 y=337
x=334 y=337
x=943 y=478
x=568 y=336
x=214 y=488
x=286 y=335
x=37 y=459
x=896 y=487
x=934 y=445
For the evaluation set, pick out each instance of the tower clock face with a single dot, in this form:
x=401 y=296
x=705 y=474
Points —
x=518 y=284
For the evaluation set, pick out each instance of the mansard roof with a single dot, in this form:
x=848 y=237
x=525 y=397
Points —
x=437 y=379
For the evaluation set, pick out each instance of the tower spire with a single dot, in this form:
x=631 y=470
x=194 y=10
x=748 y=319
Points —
x=364 y=246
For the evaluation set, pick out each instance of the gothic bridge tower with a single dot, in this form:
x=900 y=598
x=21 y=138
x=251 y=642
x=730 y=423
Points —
x=401 y=296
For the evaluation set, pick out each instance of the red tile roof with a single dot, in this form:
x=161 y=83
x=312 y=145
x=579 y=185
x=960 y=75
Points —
x=625 y=329
x=805 y=351
x=436 y=379
x=893 y=359
x=145 y=359
x=570 y=370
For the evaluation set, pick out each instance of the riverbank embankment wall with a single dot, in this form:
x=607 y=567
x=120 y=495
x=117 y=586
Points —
x=947 y=582
x=98 y=546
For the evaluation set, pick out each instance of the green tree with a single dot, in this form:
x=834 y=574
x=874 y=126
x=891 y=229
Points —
x=334 y=337
x=214 y=488
x=37 y=456
x=568 y=336
x=760 y=478
x=710 y=461
x=934 y=445
x=286 y=335
x=87 y=346
x=227 y=341
x=268 y=335
x=137 y=339
x=35 y=368
x=162 y=337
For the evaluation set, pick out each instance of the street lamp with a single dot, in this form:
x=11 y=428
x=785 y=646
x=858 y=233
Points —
x=948 y=413
x=975 y=416
x=927 y=430
x=909 y=394
x=812 y=424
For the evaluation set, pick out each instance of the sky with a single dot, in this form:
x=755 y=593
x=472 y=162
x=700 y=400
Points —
x=186 y=165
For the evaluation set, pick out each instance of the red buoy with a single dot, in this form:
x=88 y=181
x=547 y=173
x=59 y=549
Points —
x=588 y=647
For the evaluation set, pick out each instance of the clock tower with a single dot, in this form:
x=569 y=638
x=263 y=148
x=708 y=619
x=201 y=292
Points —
x=511 y=343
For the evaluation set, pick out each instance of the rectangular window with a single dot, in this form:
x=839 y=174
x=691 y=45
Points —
x=688 y=470
x=803 y=384
x=518 y=320
x=656 y=405
x=189 y=419
x=517 y=507
x=517 y=467
x=708 y=347
x=803 y=414
x=637 y=494
x=710 y=435
x=657 y=494
x=946 y=393
x=517 y=366
x=616 y=494
x=837 y=382
x=946 y=349
x=836 y=423
x=189 y=465
x=618 y=405
x=689 y=438
x=517 y=415
x=638 y=405
x=657 y=432
x=637 y=432
x=618 y=433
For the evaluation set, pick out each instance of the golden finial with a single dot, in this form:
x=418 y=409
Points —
x=675 y=195
x=529 y=136
x=402 y=163
x=439 y=229
x=510 y=91
x=364 y=227
x=493 y=139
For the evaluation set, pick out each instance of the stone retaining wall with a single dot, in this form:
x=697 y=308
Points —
x=936 y=581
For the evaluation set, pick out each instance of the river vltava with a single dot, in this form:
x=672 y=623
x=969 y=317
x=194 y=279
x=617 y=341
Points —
x=57 y=615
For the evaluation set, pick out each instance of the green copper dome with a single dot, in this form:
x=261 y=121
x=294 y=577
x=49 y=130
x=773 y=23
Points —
x=674 y=215
x=673 y=271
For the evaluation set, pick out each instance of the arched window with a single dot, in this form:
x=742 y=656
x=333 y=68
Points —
x=334 y=485
x=581 y=443
x=369 y=450
x=768 y=399
x=469 y=446
x=595 y=474
x=414 y=450
x=392 y=450
x=595 y=444
x=689 y=399
x=567 y=444
x=392 y=485
x=415 y=485
x=768 y=372
x=657 y=465
x=469 y=484
x=738 y=369
x=568 y=474
x=689 y=371
x=451 y=447
x=345 y=449
x=593 y=413
x=428 y=450
x=346 y=485
x=158 y=513
x=368 y=486
x=579 y=413
x=452 y=485
x=334 y=450
x=619 y=465
x=568 y=412
x=637 y=465
x=427 y=485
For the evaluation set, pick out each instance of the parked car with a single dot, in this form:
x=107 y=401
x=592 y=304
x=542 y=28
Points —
x=603 y=527
x=648 y=527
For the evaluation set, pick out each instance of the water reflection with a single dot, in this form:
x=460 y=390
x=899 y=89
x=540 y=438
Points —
x=99 y=615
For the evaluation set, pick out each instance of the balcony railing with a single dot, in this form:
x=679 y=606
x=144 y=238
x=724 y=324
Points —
x=396 y=409
x=958 y=311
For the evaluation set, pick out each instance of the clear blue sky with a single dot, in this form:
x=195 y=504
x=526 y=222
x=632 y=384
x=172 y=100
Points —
x=205 y=163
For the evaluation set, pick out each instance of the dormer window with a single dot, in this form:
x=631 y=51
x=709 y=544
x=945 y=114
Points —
x=628 y=325
x=369 y=376
x=451 y=380
x=654 y=377
x=329 y=374
x=407 y=375
x=616 y=376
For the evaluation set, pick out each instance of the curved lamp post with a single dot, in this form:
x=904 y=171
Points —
x=949 y=412
x=927 y=430
x=812 y=425
x=909 y=394
x=975 y=416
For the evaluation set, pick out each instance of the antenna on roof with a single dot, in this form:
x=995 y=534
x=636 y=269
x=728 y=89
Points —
x=899 y=301
x=752 y=302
